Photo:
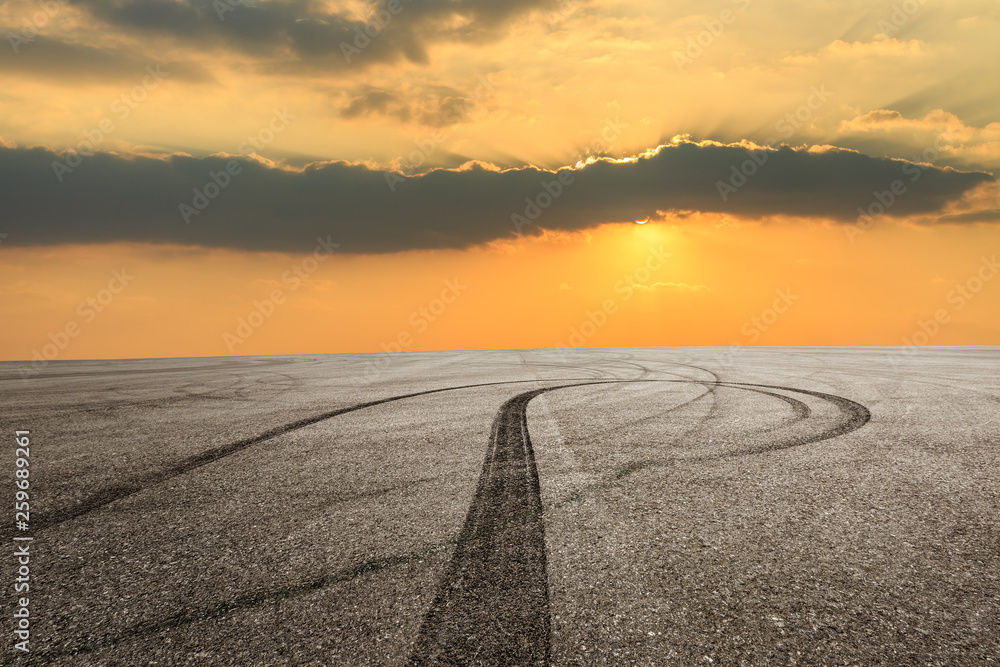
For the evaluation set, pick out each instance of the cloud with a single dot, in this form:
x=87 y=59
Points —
x=299 y=35
x=440 y=107
x=936 y=135
x=57 y=59
x=988 y=216
x=110 y=197
x=881 y=47
x=938 y=120
x=963 y=87
x=376 y=101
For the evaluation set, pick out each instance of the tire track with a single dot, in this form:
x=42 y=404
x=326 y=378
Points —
x=497 y=517
x=498 y=568
x=110 y=494
x=800 y=411
x=856 y=416
x=492 y=606
x=146 y=371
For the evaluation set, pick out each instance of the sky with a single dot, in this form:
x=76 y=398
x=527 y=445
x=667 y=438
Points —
x=244 y=177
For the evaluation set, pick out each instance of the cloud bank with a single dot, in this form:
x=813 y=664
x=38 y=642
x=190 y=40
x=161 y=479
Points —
x=249 y=204
x=298 y=34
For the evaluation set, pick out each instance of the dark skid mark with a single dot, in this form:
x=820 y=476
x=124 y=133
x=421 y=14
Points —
x=110 y=494
x=493 y=604
x=856 y=415
x=225 y=365
x=800 y=410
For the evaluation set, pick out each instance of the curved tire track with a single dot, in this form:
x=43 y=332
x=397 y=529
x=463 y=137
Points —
x=506 y=517
x=492 y=606
x=498 y=567
x=109 y=494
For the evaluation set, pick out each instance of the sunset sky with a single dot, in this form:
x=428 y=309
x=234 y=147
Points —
x=242 y=177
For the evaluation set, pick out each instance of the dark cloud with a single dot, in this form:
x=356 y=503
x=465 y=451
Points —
x=297 y=34
x=988 y=216
x=439 y=107
x=53 y=58
x=381 y=102
x=109 y=197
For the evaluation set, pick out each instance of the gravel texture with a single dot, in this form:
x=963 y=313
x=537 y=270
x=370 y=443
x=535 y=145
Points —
x=691 y=506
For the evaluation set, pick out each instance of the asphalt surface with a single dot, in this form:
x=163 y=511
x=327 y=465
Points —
x=697 y=506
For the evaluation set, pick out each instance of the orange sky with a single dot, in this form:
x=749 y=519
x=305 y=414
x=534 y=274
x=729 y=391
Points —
x=717 y=276
x=540 y=83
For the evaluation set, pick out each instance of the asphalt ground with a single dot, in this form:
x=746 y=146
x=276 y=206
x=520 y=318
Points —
x=691 y=506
